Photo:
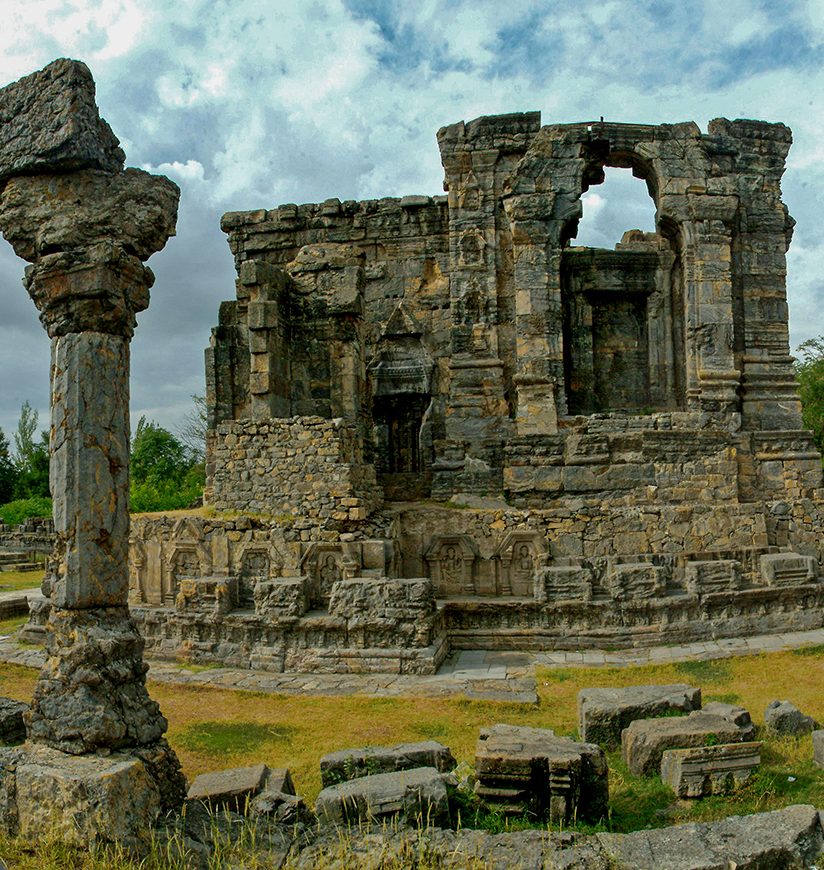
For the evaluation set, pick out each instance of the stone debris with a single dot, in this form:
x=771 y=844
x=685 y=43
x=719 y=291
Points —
x=818 y=748
x=416 y=796
x=707 y=770
x=784 y=718
x=347 y=764
x=12 y=727
x=603 y=713
x=644 y=740
x=532 y=770
x=733 y=713
x=236 y=787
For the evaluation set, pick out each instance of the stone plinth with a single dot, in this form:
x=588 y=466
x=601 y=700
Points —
x=77 y=799
x=354 y=763
x=707 y=770
x=533 y=770
x=645 y=740
x=603 y=713
x=417 y=796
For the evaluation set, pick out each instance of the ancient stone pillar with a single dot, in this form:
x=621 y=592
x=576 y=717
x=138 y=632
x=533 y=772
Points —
x=86 y=225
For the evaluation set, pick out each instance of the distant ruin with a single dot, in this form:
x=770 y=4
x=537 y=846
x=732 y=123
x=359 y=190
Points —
x=440 y=425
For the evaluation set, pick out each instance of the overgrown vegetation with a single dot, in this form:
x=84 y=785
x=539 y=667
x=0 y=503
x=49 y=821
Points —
x=810 y=372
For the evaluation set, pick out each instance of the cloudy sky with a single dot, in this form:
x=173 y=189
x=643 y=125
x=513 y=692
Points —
x=252 y=103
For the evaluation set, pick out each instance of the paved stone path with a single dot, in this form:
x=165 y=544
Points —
x=475 y=674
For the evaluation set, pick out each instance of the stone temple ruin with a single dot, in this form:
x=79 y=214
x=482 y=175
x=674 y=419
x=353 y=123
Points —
x=437 y=424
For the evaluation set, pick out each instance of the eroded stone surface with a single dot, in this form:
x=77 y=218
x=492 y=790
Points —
x=644 y=740
x=603 y=713
x=49 y=122
x=706 y=770
x=416 y=795
x=532 y=770
x=818 y=748
x=236 y=787
x=349 y=764
x=12 y=727
x=783 y=717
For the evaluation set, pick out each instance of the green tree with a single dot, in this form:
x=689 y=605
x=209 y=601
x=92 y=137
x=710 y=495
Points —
x=31 y=457
x=8 y=471
x=165 y=474
x=193 y=431
x=810 y=372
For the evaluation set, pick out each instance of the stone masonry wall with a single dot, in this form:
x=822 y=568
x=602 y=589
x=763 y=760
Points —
x=305 y=466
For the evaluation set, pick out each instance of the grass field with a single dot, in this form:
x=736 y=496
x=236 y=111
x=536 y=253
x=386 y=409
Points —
x=11 y=581
x=214 y=728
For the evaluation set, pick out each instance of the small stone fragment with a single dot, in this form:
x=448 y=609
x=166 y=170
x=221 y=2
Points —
x=818 y=748
x=234 y=788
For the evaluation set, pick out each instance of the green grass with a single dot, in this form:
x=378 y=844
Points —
x=13 y=624
x=229 y=739
x=712 y=671
x=11 y=581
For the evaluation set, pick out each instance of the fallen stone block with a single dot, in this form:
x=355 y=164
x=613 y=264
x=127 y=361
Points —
x=349 y=764
x=818 y=748
x=415 y=796
x=707 y=770
x=12 y=727
x=785 y=719
x=788 y=569
x=533 y=770
x=786 y=838
x=644 y=741
x=78 y=799
x=603 y=713
x=732 y=712
x=236 y=787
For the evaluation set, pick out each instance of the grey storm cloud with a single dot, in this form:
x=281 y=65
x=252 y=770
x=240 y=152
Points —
x=248 y=104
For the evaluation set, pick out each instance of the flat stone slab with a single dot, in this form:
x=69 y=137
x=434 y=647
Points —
x=533 y=770
x=786 y=838
x=818 y=748
x=235 y=787
x=12 y=727
x=603 y=713
x=78 y=799
x=413 y=795
x=349 y=764
x=784 y=718
x=644 y=741
x=706 y=770
x=49 y=122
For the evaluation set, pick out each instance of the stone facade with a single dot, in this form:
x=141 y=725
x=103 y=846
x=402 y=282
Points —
x=618 y=432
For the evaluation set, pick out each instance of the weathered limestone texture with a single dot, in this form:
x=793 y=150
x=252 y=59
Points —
x=706 y=770
x=603 y=713
x=12 y=727
x=237 y=787
x=532 y=770
x=783 y=717
x=417 y=796
x=86 y=225
x=818 y=748
x=617 y=433
x=644 y=741
x=349 y=764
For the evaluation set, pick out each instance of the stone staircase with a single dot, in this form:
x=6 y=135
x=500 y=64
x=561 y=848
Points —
x=18 y=560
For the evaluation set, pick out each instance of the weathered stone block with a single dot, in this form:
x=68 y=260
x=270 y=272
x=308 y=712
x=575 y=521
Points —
x=788 y=569
x=79 y=800
x=282 y=597
x=12 y=726
x=783 y=717
x=570 y=583
x=603 y=713
x=818 y=748
x=633 y=580
x=51 y=123
x=644 y=741
x=417 y=795
x=235 y=788
x=732 y=712
x=720 y=575
x=706 y=770
x=349 y=764
x=532 y=769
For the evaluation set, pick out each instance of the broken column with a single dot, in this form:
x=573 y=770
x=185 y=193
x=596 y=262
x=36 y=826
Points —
x=86 y=225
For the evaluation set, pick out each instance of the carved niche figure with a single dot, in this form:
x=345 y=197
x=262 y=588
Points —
x=452 y=564
x=326 y=564
x=518 y=558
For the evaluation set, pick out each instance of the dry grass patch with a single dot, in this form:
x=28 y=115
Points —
x=12 y=581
